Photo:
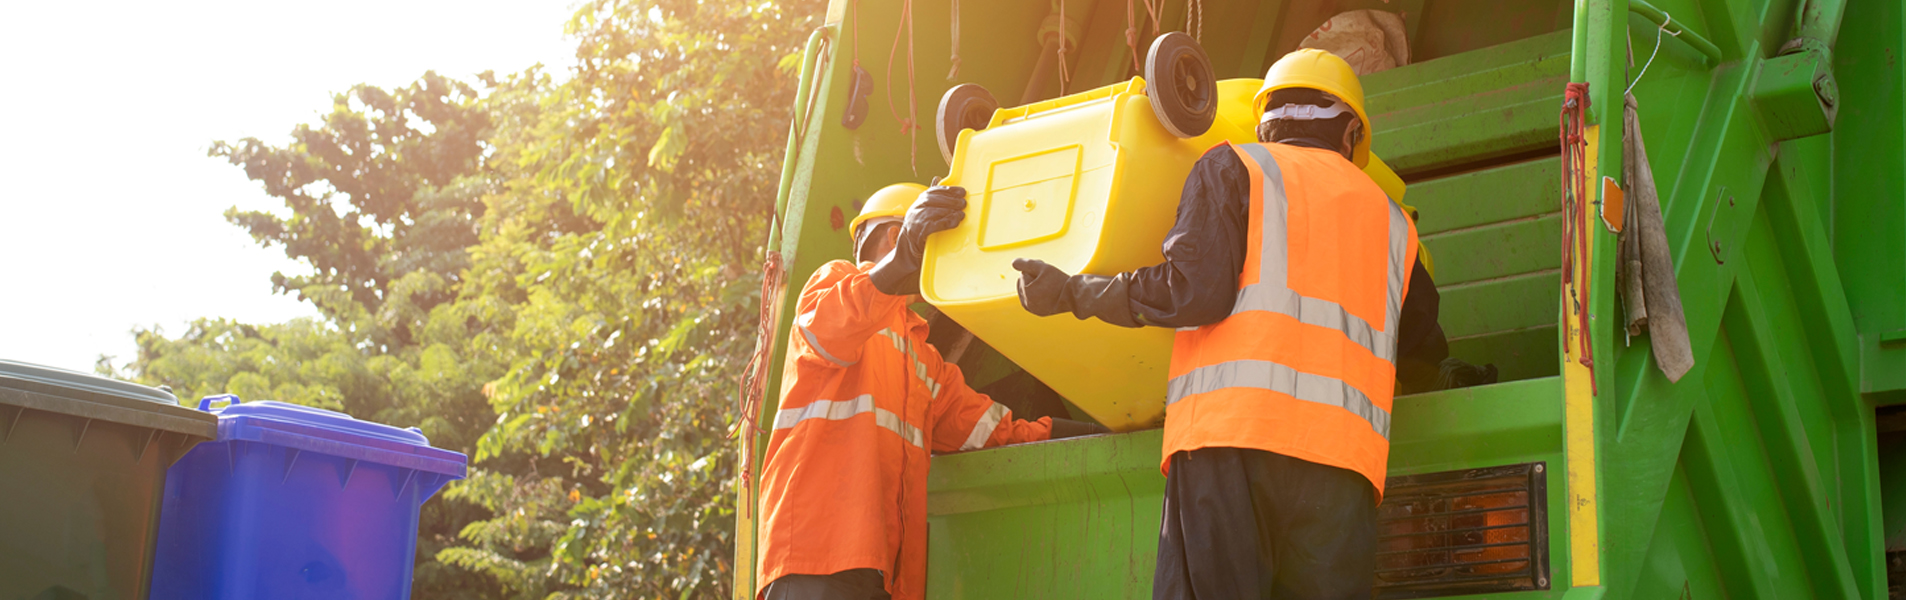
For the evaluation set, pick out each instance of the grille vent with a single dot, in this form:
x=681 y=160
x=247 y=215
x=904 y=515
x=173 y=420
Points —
x=1464 y=532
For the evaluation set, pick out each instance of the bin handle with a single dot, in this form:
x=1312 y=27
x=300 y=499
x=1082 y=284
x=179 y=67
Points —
x=205 y=404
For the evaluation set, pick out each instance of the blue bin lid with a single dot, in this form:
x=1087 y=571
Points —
x=330 y=432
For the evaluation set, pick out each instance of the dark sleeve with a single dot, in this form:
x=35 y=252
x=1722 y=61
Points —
x=1204 y=252
x=1420 y=344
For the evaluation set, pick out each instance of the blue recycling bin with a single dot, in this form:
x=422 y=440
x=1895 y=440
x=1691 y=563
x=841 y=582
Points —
x=296 y=502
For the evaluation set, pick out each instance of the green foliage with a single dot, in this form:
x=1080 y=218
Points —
x=555 y=275
x=634 y=200
x=381 y=192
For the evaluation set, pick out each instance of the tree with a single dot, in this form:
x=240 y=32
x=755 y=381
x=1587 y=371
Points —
x=553 y=275
x=634 y=201
x=381 y=192
x=382 y=201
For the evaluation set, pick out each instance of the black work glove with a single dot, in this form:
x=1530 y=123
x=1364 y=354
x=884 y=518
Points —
x=1455 y=373
x=1065 y=428
x=939 y=208
x=1045 y=290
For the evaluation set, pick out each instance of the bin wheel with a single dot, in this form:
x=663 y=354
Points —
x=1180 y=83
x=966 y=106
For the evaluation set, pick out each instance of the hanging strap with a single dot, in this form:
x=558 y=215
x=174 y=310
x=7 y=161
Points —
x=909 y=124
x=1576 y=212
x=754 y=379
x=953 y=74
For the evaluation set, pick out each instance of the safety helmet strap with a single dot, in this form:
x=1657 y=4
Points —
x=1307 y=112
x=865 y=232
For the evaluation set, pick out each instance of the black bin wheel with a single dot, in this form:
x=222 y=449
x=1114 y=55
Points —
x=1180 y=83
x=965 y=106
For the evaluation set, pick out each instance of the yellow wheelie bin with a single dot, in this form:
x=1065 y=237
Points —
x=1088 y=183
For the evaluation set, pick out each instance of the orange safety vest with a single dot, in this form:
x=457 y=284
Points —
x=1305 y=364
x=864 y=399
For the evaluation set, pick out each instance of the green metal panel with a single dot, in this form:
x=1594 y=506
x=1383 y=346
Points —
x=1066 y=519
x=1484 y=104
x=1457 y=26
x=1868 y=216
x=1079 y=518
x=1493 y=233
x=1518 y=302
x=1516 y=191
x=1498 y=250
x=1756 y=475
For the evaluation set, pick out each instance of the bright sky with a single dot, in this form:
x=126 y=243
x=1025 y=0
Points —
x=110 y=211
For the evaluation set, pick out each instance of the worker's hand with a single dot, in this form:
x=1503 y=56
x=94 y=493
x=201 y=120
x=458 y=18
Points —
x=1042 y=287
x=938 y=209
x=1065 y=428
x=1045 y=290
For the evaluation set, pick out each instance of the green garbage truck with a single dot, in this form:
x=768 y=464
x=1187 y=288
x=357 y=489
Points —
x=1749 y=443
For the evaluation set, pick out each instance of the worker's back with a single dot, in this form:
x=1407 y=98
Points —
x=1304 y=366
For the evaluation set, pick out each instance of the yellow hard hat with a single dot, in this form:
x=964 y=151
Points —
x=890 y=201
x=1315 y=69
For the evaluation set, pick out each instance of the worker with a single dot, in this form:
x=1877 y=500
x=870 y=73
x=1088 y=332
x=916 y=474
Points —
x=1299 y=303
x=865 y=398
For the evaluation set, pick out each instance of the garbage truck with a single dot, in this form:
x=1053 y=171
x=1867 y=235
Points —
x=1676 y=227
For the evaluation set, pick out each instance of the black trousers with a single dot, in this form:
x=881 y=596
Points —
x=857 y=584
x=1252 y=524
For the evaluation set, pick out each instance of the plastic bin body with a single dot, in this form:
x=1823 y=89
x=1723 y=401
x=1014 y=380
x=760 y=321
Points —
x=296 y=502
x=1090 y=184
x=82 y=466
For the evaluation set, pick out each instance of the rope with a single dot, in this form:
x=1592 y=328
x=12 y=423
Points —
x=909 y=124
x=1668 y=18
x=754 y=379
x=1065 y=74
x=954 y=73
x=1576 y=227
x=1195 y=8
x=1132 y=30
x=1131 y=35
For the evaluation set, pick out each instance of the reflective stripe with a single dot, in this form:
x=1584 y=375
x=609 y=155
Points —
x=1266 y=375
x=920 y=371
x=905 y=345
x=840 y=410
x=919 y=368
x=908 y=432
x=1399 y=268
x=801 y=322
x=983 y=430
x=1273 y=252
x=1321 y=313
x=1272 y=292
x=898 y=342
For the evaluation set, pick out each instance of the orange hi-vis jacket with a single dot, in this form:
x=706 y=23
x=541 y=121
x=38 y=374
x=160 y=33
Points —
x=1305 y=364
x=864 y=399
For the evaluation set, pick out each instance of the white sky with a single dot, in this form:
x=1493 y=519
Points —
x=110 y=211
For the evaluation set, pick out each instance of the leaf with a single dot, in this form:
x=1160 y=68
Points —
x=667 y=148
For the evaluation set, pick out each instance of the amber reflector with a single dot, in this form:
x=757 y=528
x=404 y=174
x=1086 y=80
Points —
x=1464 y=532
